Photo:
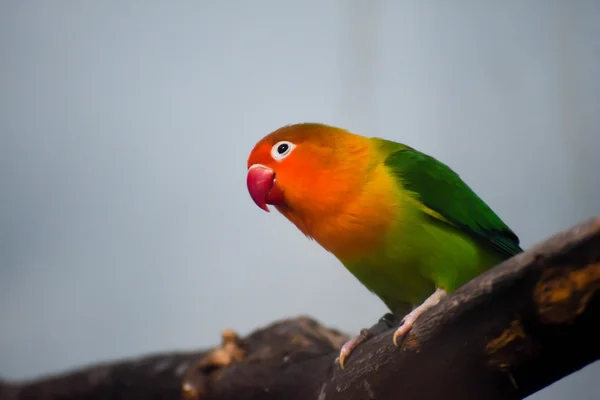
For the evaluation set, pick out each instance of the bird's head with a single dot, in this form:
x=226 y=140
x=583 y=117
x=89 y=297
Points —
x=302 y=166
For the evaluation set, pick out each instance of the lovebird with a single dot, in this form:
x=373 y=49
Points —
x=403 y=223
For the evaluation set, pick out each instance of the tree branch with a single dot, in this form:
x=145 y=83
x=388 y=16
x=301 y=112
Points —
x=506 y=334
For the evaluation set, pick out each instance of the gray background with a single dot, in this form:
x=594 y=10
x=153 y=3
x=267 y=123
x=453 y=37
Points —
x=125 y=224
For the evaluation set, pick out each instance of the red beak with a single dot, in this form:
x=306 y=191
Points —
x=262 y=186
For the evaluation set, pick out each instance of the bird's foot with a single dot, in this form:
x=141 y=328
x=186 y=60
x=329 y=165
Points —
x=384 y=323
x=409 y=319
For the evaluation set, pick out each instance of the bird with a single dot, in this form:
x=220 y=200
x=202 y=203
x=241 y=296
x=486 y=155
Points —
x=400 y=221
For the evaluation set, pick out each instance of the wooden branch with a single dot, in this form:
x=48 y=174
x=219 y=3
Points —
x=508 y=333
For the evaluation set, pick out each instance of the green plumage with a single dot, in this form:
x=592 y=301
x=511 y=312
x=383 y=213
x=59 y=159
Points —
x=446 y=236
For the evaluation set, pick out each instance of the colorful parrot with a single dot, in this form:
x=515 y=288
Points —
x=404 y=224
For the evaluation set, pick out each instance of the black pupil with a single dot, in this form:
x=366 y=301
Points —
x=282 y=148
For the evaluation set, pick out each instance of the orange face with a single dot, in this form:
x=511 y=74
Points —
x=300 y=166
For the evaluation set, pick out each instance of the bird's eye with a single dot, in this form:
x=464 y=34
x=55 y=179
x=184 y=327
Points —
x=281 y=150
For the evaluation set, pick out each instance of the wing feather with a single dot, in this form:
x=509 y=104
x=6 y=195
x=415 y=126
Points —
x=448 y=198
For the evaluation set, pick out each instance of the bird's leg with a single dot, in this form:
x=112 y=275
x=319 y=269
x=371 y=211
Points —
x=386 y=322
x=409 y=319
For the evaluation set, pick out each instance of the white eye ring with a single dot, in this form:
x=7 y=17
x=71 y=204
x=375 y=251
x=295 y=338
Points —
x=281 y=150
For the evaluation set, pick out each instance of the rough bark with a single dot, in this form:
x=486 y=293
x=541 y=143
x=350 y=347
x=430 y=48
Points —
x=508 y=333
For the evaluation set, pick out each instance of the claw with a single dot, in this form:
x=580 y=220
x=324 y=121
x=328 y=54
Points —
x=343 y=354
x=401 y=331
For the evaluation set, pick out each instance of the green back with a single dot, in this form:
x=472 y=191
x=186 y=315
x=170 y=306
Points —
x=441 y=190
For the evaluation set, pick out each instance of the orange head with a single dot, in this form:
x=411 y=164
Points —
x=308 y=171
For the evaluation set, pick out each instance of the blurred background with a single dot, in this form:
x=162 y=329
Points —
x=125 y=223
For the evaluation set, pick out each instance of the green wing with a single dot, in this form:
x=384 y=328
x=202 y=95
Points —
x=441 y=190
